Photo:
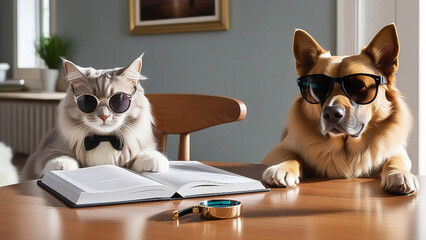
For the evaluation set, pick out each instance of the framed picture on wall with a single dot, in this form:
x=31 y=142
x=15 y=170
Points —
x=171 y=16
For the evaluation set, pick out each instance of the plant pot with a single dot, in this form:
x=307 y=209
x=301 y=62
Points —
x=49 y=78
x=3 y=70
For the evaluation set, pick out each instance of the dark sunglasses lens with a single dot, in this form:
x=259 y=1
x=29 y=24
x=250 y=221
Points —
x=360 y=88
x=119 y=103
x=87 y=103
x=315 y=89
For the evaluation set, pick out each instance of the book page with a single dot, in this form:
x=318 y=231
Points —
x=110 y=184
x=105 y=178
x=194 y=173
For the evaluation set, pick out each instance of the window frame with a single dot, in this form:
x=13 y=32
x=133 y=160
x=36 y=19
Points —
x=31 y=75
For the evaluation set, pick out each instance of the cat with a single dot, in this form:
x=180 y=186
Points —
x=125 y=132
x=8 y=172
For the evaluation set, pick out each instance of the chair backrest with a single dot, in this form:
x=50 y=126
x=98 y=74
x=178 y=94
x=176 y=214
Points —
x=185 y=113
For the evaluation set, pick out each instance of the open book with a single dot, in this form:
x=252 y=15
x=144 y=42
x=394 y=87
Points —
x=108 y=184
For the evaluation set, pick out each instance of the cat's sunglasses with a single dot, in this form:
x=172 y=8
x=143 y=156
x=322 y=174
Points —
x=360 y=88
x=119 y=102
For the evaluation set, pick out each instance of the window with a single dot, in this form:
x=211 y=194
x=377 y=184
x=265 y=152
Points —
x=33 y=19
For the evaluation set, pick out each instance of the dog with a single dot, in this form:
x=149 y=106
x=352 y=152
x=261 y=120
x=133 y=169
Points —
x=349 y=121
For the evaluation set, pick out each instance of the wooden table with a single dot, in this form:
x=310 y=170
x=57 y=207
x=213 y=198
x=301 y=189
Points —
x=316 y=209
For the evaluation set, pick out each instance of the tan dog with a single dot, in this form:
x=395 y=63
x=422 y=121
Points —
x=350 y=120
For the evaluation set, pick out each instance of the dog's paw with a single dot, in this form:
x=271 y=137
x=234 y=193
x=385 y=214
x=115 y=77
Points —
x=151 y=161
x=281 y=175
x=400 y=182
x=61 y=163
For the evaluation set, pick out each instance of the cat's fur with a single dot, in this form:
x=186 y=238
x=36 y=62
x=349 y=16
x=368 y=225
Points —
x=63 y=148
x=8 y=173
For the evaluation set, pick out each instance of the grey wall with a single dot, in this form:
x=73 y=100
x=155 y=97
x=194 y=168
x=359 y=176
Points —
x=6 y=33
x=252 y=62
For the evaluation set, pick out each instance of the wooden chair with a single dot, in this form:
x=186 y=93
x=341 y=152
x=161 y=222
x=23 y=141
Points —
x=186 y=113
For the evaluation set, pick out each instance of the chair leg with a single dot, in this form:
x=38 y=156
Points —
x=162 y=142
x=184 y=150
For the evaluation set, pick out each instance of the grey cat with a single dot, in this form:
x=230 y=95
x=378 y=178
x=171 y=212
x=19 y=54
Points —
x=104 y=118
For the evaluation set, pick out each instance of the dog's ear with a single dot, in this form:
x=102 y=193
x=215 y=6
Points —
x=384 y=49
x=306 y=51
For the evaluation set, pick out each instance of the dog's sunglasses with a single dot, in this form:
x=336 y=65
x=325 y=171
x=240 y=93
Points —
x=119 y=102
x=360 y=88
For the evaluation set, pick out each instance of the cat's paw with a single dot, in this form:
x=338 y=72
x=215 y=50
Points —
x=61 y=163
x=400 y=182
x=151 y=161
x=281 y=175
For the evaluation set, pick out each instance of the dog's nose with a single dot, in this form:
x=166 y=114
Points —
x=333 y=114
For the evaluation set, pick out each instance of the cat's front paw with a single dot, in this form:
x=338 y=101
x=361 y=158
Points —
x=400 y=182
x=151 y=161
x=61 y=163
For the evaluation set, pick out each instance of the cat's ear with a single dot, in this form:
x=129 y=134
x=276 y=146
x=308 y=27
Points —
x=132 y=72
x=72 y=71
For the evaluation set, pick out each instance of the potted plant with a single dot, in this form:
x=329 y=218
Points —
x=51 y=49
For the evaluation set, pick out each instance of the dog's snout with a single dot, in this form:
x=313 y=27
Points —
x=333 y=113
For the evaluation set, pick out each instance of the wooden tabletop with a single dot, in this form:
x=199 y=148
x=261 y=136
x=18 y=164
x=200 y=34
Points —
x=316 y=209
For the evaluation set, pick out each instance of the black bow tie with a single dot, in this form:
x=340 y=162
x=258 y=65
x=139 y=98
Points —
x=91 y=142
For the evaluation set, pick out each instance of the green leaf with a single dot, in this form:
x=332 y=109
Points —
x=51 y=49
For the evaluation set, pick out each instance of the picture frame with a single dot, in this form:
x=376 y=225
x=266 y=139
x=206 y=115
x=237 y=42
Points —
x=167 y=16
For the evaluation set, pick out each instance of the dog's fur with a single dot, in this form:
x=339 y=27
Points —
x=372 y=138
